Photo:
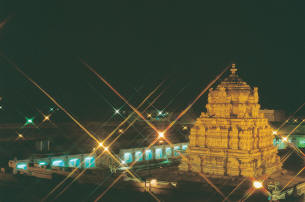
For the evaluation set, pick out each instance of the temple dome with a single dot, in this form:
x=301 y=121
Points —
x=233 y=81
x=233 y=90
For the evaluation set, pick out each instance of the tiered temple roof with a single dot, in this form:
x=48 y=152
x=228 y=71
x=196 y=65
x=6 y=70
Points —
x=232 y=138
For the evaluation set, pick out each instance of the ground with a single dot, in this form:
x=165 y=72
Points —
x=27 y=189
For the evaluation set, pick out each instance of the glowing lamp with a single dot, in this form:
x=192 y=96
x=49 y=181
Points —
x=46 y=118
x=274 y=132
x=148 y=115
x=100 y=144
x=160 y=112
x=89 y=158
x=153 y=182
x=22 y=166
x=20 y=135
x=42 y=163
x=161 y=134
x=284 y=139
x=58 y=163
x=257 y=184
x=106 y=148
x=116 y=111
x=29 y=121
x=184 y=128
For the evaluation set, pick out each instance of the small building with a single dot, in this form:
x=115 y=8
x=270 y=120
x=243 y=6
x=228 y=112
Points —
x=274 y=115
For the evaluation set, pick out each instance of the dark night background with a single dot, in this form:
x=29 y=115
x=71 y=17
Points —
x=136 y=45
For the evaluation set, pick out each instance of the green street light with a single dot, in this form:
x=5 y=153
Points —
x=29 y=121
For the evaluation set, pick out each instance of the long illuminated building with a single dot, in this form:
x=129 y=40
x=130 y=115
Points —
x=127 y=156
x=88 y=161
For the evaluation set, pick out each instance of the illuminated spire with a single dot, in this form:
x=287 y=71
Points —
x=233 y=69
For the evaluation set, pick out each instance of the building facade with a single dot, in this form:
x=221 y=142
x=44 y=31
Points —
x=157 y=152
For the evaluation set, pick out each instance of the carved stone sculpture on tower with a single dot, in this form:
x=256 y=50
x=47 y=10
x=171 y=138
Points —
x=232 y=138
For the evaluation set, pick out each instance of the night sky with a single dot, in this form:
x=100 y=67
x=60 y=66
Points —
x=136 y=45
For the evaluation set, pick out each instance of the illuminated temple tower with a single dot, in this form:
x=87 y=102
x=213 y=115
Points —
x=232 y=138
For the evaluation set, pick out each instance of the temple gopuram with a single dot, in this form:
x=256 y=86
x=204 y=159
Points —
x=232 y=138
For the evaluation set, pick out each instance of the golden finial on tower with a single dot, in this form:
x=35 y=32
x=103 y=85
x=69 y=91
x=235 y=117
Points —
x=233 y=69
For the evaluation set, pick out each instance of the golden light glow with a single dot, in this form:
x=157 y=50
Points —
x=184 y=128
x=46 y=118
x=121 y=131
x=148 y=115
x=153 y=182
x=257 y=184
x=106 y=148
x=284 y=139
x=20 y=135
x=161 y=134
x=100 y=144
x=274 y=132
